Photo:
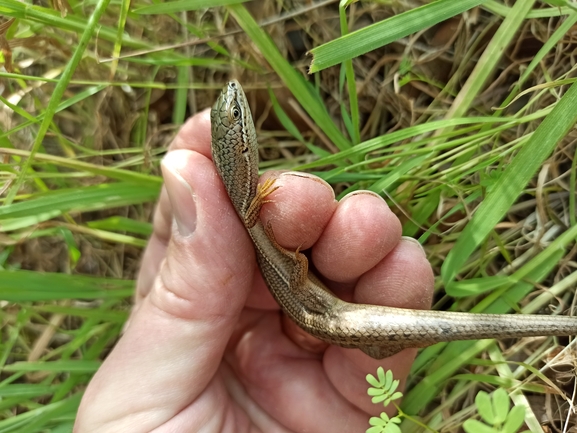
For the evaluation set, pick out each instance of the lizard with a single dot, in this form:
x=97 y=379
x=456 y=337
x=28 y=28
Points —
x=379 y=331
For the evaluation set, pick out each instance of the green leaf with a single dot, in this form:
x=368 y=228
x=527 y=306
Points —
x=488 y=379
x=373 y=381
x=382 y=376
x=513 y=181
x=71 y=22
x=476 y=286
x=501 y=405
x=514 y=420
x=380 y=398
x=78 y=366
x=376 y=421
x=285 y=120
x=388 y=379
x=561 y=3
x=34 y=419
x=485 y=407
x=58 y=92
x=301 y=89
x=345 y=3
x=474 y=426
x=172 y=7
x=26 y=390
x=384 y=32
x=23 y=286
x=119 y=223
x=54 y=203
x=73 y=250
x=144 y=180
x=392 y=428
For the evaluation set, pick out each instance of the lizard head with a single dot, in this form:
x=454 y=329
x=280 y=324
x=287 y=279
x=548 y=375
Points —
x=234 y=147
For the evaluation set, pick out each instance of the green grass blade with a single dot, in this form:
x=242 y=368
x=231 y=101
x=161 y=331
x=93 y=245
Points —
x=86 y=93
x=545 y=50
x=33 y=420
x=58 y=93
x=171 y=7
x=490 y=58
x=183 y=77
x=384 y=32
x=512 y=182
x=499 y=8
x=144 y=180
x=122 y=224
x=301 y=90
x=351 y=82
x=383 y=141
x=26 y=390
x=54 y=203
x=77 y=366
x=26 y=286
x=71 y=22
x=124 y=9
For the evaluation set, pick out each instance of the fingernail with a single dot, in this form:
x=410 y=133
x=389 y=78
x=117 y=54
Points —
x=415 y=242
x=307 y=176
x=181 y=196
x=362 y=192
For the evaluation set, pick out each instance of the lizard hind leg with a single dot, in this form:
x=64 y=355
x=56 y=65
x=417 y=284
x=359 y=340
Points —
x=299 y=258
x=317 y=301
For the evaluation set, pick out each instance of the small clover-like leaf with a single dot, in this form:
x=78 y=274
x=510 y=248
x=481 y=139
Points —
x=393 y=386
x=474 y=426
x=384 y=424
x=392 y=428
x=514 y=419
x=383 y=387
x=388 y=379
x=381 y=375
x=373 y=381
x=485 y=407
x=500 y=406
x=379 y=398
x=381 y=421
x=375 y=391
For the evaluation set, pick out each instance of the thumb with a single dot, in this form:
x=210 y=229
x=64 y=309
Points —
x=175 y=340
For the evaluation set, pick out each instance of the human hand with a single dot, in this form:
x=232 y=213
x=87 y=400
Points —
x=207 y=348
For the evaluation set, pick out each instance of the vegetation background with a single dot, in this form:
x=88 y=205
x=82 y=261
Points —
x=460 y=114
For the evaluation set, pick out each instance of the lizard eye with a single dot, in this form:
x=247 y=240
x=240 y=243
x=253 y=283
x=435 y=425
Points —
x=235 y=113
